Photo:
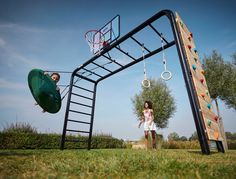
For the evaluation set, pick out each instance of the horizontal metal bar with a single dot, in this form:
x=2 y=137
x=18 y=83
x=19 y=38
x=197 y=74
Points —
x=71 y=120
x=126 y=53
x=81 y=104
x=79 y=112
x=138 y=60
x=92 y=72
x=109 y=58
x=70 y=130
x=101 y=67
x=82 y=96
x=153 y=28
x=142 y=45
x=84 y=77
x=83 y=88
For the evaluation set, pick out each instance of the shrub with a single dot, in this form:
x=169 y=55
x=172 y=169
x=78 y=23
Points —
x=231 y=144
x=19 y=128
x=13 y=140
x=181 y=145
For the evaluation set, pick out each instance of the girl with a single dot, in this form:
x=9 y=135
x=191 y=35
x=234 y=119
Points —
x=149 y=125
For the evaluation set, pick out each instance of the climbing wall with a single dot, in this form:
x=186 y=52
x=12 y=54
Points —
x=211 y=122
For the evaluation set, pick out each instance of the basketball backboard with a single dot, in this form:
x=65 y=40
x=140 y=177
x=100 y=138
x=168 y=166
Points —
x=106 y=35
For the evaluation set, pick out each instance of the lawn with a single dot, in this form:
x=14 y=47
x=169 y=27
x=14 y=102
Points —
x=116 y=163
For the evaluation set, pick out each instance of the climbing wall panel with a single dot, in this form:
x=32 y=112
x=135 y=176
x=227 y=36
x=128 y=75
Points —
x=210 y=119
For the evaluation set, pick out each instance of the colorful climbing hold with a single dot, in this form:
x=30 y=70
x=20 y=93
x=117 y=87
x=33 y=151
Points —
x=208 y=105
x=203 y=95
x=216 y=135
x=195 y=50
x=202 y=71
x=194 y=67
x=189 y=38
x=216 y=118
x=207 y=92
x=191 y=34
x=195 y=59
x=201 y=80
x=209 y=122
x=189 y=47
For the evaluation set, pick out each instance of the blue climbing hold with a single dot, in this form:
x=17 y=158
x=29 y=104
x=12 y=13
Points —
x=194 y=67
x=209 y=106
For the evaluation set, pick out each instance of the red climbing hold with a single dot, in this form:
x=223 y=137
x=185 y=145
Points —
x=216 y=118
x=189 y=47
x=203 y=95
x=202 y=80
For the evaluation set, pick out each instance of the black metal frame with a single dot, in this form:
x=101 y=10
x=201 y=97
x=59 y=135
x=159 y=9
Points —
x=116 y=45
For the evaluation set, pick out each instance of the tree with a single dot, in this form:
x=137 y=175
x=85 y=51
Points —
x=221 y=79
x=231 y=136
x=194 y=136
x=173 y=137
x=183 y=138
x=162 y=101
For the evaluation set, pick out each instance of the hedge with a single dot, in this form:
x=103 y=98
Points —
x=52 y=141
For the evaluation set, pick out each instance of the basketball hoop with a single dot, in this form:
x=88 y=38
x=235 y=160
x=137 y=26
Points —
x=95 y=40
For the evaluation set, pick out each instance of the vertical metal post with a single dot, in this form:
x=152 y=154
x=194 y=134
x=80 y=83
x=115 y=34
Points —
x=220 y=146
x=67 y=112
x=92 y=116
x=190 y=87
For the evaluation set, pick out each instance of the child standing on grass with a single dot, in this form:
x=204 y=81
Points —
x=149 y=125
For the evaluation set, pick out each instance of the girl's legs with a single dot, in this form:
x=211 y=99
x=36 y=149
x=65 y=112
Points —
x=146 y=138
x=153 y=139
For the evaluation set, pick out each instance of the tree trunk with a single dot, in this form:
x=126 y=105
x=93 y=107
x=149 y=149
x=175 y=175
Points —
x=222 y=131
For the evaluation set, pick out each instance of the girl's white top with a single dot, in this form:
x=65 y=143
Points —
x=148 y=122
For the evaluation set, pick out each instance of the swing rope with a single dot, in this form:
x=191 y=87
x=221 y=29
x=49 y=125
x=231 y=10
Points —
x=166 y=74
x=146 y=83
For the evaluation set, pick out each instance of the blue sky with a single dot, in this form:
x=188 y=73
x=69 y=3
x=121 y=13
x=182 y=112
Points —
x=50 y=35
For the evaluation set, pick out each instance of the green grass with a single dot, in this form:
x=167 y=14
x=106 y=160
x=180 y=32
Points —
x=116 y=163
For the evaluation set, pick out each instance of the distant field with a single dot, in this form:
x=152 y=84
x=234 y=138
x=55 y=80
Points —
x=113 y=163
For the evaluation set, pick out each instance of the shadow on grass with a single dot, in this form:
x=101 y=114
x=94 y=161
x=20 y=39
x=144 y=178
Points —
x=200 y=152
x=14 y=153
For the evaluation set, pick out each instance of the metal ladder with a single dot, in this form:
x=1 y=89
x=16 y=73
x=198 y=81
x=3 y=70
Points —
x=79 y=114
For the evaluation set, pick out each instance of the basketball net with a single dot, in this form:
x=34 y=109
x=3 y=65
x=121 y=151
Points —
x=95 y=40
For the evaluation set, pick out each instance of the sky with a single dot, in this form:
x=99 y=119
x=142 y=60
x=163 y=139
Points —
x=49 y=35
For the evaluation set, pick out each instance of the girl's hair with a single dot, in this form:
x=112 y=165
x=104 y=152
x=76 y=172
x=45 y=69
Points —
x=56 y=74
x=149 y=104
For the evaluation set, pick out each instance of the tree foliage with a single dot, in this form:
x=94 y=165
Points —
x=173 y=136
x=194 y=136
x=163 y=103
x=221 y=78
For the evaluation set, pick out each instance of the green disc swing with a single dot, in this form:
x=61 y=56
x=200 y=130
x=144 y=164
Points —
x=44 y=91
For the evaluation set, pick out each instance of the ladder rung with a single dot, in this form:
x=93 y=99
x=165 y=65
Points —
x=70 y=130
x=82 y=96
x=83 y=88
x=80 y=112
x=79 y=121
x=81 y=104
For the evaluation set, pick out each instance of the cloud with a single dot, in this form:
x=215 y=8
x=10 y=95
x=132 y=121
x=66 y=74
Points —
x=15 y=101
x=2 y=42
x=12 y=85
x=13 y=58
x=231 y=44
